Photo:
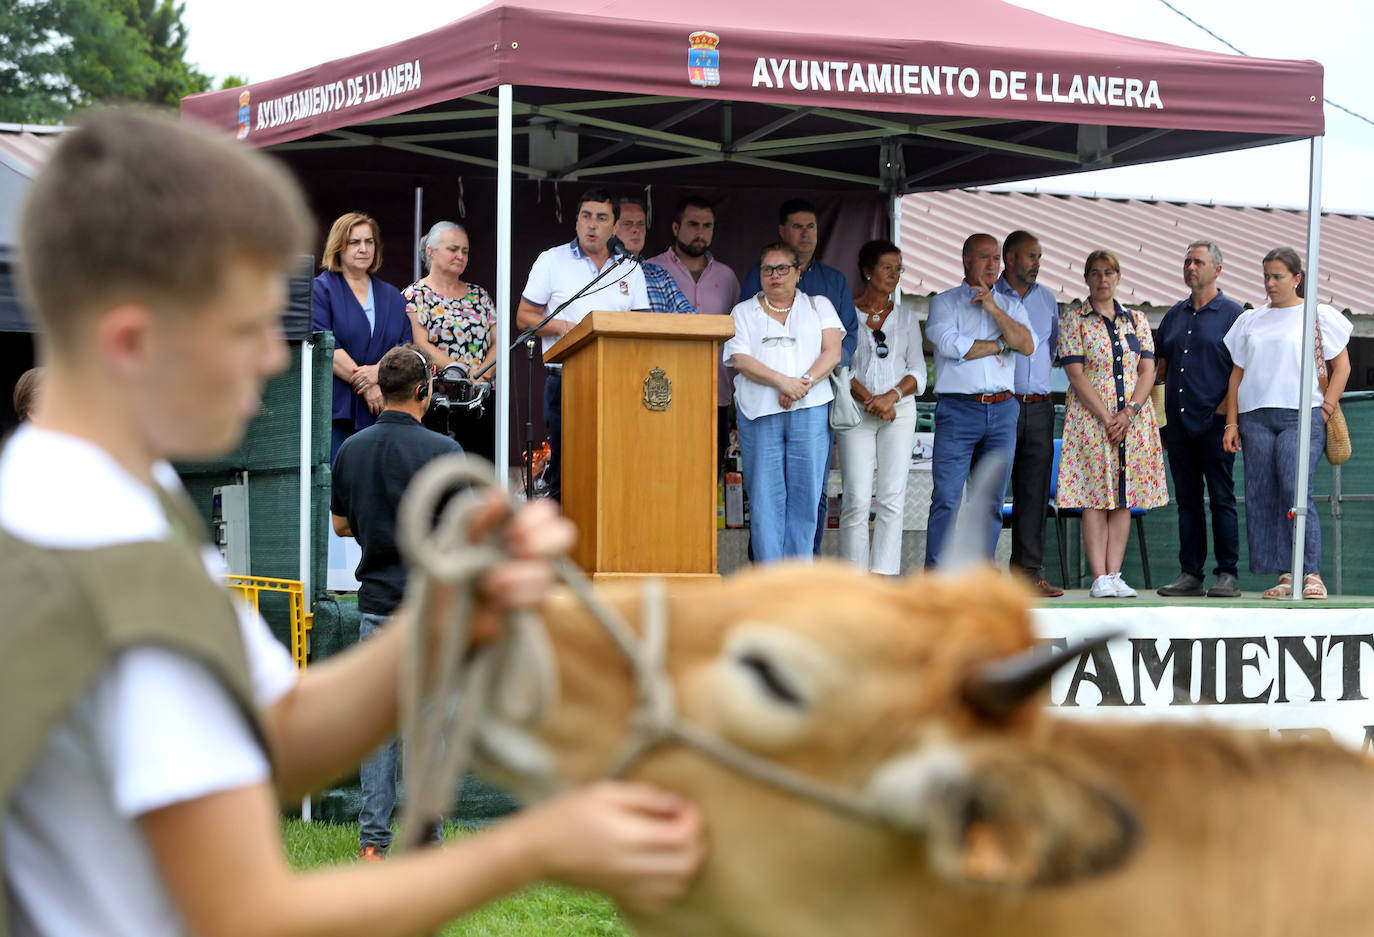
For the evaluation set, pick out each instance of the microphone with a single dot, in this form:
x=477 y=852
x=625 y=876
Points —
x=618 y=250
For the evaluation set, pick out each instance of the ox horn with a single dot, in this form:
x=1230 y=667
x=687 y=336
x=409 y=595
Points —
x=999 y=688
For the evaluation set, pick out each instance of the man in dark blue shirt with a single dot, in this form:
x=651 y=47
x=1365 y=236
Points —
x=797 y=226
x=371 y=473
x=1195 y=366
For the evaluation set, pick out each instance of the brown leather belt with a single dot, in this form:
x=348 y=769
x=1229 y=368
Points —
x=985 y=398
x=1032 y=398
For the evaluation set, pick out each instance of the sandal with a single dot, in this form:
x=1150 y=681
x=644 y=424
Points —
x=1313 y=587
x=1283 y=590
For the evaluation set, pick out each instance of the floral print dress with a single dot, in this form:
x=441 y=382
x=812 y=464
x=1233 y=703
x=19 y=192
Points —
x=1094 y=473
x=463 y=328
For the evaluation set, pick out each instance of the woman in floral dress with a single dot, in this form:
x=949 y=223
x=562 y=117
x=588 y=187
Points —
x=1111 y=459
x=454 y=322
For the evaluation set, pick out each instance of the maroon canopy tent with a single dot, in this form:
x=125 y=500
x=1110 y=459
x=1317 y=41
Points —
x=864 y=95
x=951 y=94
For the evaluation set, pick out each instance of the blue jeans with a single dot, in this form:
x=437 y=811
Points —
x=786 y=457
x=1269 y=445
x=378 y=776
x=965 y=431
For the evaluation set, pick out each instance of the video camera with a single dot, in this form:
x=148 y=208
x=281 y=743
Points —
x=454 y=396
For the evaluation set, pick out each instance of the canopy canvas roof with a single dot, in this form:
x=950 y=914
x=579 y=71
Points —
x=902 y=97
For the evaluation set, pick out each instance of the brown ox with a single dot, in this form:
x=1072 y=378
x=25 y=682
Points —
x=1020 y=823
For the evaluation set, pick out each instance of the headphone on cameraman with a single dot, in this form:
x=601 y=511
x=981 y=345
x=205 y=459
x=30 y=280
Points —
x=422 y=390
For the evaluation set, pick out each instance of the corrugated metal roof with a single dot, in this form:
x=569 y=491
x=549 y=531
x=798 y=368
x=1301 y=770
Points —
x=25 y=147
x=1148 y=237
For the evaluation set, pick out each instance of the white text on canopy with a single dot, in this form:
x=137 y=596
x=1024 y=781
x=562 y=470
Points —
x=401 y=78
x=813 y=75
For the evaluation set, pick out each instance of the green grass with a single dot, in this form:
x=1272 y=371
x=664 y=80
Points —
x=542 y=911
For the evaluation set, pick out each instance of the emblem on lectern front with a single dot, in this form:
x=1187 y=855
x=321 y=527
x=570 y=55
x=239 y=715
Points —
x=658 y=390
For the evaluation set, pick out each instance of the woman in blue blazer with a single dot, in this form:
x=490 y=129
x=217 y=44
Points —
x=366 y=315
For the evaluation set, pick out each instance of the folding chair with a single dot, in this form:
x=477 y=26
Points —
x=1064 y=514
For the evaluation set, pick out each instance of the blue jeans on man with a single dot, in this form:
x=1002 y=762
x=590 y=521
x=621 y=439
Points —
x=966 y=431
x=377 y=777
x=786 y=457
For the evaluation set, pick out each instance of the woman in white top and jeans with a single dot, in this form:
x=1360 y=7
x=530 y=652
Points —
x=784 y=347
x=888 y=373
x=1262 y=416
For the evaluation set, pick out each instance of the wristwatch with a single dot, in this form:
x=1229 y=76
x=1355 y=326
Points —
x=1001 y=346
x=1136 y=407
x=806 y=378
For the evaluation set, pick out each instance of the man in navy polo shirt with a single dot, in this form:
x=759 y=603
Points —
x=1195 y=366
x=798 y=227
x=371 y=472
x=557 y=275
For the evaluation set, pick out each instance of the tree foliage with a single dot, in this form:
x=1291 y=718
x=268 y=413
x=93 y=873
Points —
x=57 y=56
x=34 y=57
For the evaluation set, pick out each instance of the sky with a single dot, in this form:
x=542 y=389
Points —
x=263 y=39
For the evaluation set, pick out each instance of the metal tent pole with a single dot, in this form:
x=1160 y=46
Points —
x=306 y=522
x=416 y=270
x=504 y=306
x=896 y=214
x=1309 y=346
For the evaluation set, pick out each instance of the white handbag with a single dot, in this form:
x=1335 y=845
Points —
x=845 y=412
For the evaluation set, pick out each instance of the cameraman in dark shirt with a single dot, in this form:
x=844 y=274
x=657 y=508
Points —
x=371 y=472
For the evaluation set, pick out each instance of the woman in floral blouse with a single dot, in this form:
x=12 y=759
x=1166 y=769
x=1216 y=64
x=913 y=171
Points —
x=1111 y=459
x=454 y=322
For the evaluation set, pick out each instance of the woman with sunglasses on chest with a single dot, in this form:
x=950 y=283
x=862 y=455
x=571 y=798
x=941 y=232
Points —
x=888 y=373
x=784 y=347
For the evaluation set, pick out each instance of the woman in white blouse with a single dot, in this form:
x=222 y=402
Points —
x=888 y=373
x=784 y=347
x=1262 y=417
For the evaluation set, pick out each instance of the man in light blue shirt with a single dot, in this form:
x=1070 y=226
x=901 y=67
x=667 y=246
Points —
x=977 y=335
x=1030 y=470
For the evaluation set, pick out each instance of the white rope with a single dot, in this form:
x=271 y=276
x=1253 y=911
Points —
x=447 y=692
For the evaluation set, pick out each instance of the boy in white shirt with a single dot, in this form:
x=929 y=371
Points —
x=150 y=727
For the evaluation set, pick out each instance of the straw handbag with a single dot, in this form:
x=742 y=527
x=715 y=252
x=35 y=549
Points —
x=1337 y=433
x=1157 y=401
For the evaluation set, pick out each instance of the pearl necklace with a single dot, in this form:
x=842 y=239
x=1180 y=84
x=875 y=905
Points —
x=772 y=308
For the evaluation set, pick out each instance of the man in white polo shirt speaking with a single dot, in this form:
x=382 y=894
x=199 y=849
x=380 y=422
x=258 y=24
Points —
x=557 y=275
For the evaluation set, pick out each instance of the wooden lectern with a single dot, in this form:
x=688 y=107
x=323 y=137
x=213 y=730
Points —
x=639 y=442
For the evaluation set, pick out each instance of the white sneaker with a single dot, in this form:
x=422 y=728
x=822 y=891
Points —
x=1104 y=587
x=1123 y=591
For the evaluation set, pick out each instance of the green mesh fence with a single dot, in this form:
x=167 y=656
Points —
x=1353 y=536
x=270 y=455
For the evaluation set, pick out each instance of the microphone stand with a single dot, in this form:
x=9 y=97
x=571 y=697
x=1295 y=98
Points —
x=527 y=337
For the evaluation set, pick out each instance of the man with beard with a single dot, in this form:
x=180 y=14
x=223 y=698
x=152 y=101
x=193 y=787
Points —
x=708 y=284
x=1030 y=468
